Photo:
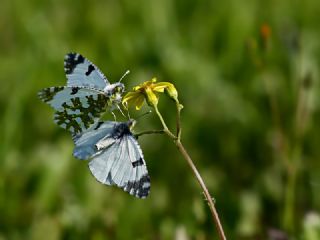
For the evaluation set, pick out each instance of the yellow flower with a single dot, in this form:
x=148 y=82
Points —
x=149 y=90
x=133 y=98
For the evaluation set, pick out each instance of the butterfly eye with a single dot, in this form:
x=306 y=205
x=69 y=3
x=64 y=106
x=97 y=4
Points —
x=118 y=89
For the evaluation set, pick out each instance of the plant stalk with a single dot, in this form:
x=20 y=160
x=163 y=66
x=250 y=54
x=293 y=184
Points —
x=185 y=154
x=207 y=195
x=149 y=132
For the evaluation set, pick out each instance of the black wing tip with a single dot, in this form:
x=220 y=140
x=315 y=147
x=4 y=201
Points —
x=41 y=95
x=141 y=195
x=139 y=188
x=71 y=60
x=71 y=55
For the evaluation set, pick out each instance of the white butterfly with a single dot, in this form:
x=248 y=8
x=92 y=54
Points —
x=115 y=156
x=87 y=95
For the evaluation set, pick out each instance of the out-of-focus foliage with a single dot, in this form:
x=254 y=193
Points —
x=247 y=75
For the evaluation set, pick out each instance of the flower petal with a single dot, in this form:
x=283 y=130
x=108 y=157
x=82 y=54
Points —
x=159 y=87
x=151 y=98
x=139 y=102
x=129 y=96
x=145 y=85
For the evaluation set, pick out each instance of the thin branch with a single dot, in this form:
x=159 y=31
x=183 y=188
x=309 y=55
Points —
x=165 y=128
x=178 y=107
x=185 y=154
x=149 y=132
x=206 y=193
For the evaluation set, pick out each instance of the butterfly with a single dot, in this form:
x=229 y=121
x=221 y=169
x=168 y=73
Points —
x=86 y=96
x=115 y=156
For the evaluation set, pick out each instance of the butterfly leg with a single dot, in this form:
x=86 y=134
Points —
x=114 y=116
x=121 y=111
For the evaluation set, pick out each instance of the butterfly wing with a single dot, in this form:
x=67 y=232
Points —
x=88 y=94
x=81 y=72
x=122 y=164
x=77 y=108
x=116 y=157
x=85 y=142
x=57 y=96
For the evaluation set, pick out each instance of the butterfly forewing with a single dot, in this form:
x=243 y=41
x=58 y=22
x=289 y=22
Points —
x=81 y=72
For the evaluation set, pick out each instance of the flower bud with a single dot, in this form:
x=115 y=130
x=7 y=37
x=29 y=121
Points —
x=171 y=91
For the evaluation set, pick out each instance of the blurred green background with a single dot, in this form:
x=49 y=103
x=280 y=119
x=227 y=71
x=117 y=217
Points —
x=247 y=75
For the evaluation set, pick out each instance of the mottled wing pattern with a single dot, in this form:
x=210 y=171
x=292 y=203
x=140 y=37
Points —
x=57 y=96
x=77 y=108
x=116 y=157
x=82 y=73
x=88 y=94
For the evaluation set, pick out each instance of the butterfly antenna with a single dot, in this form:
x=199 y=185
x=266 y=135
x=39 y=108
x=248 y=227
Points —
x=125 y=74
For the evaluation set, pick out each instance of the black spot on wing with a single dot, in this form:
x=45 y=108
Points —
x=98 y=125
x=71 y=61
x=91 y=68
x=137 y=163
x=47 y=94
x=74 y=90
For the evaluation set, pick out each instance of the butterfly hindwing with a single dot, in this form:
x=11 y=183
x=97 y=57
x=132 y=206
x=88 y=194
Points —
x=81 y=72
x=116 y=166
x=116 y=157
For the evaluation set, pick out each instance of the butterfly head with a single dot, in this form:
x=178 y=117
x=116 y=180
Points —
x=115 y=91
x=118 y=89
x=123 y=128
x=131 y=123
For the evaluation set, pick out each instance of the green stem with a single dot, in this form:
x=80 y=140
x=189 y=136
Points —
x=207 y=195
x=149 y=132
x=165 y=128
x=178 y=107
